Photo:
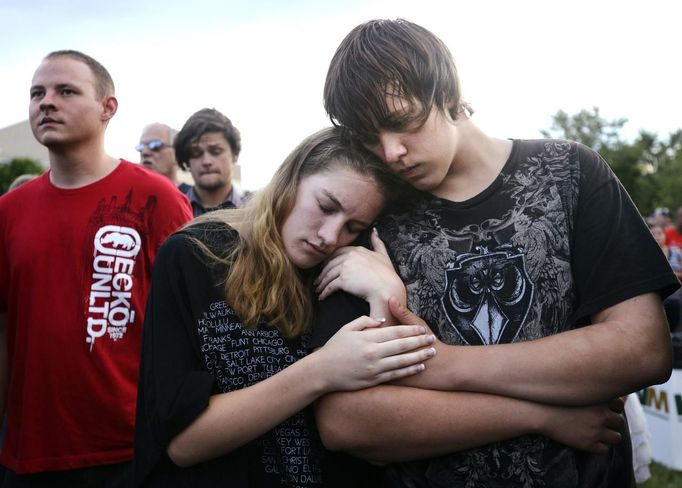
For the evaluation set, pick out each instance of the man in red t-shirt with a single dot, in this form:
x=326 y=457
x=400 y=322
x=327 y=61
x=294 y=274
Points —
x=673 y=233
x=76 y=251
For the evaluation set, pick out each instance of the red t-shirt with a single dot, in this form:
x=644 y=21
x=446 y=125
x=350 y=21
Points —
x=75 y=267
x=672 y=237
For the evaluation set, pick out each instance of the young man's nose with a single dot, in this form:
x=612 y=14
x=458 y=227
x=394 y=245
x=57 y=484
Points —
x=392 y=148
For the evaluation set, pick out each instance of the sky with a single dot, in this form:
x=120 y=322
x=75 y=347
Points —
x=263 y=62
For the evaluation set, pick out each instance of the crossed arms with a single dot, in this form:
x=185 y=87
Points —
x=469 y=396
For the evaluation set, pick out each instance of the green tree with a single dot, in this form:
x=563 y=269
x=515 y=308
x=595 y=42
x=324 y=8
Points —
x=649 y=168
x=588 y=127
x=667 y=160
x=16 y=167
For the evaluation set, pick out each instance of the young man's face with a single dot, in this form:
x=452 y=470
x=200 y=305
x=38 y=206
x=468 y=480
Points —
x=211 y=161
x=64 y=108
x=421 y=154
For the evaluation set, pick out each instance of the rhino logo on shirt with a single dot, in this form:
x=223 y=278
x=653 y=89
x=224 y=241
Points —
x=117 y=240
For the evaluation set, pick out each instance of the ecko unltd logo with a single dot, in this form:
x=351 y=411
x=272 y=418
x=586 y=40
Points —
x=110 y=307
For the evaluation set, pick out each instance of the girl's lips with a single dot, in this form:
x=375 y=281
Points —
x=315 y=248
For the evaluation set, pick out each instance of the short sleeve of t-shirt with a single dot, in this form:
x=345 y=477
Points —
x=338 y=309
x=614 y=255
x=333 y=313
x=174 y=386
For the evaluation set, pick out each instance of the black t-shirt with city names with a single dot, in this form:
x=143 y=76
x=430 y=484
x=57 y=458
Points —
x=195 y=346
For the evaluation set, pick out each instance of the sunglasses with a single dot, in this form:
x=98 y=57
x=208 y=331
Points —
x=155 y=145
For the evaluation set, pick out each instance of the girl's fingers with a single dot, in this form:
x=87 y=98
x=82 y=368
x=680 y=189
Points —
x=396 y=374
x=328 y=273
x=404 y=345
x=404 y=360
x=385 y=334
x=377 y=244
x=401 y=365
x=362 y=323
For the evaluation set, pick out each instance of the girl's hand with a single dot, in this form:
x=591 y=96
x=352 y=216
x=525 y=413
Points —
x=363 y=354
x=361 y=272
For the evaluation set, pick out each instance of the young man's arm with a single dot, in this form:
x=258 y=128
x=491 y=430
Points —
x=391 y=423
x=626 y=348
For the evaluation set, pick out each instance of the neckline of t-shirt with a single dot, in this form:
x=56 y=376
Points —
x=87 y=188
x=490 y=189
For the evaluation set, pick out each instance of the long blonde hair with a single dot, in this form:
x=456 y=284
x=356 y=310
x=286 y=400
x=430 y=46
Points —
x=261 y=282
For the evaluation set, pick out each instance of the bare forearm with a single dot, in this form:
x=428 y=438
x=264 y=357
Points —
x=236 y=418
x=359 y=355
x=580 y=367
x=393 y=423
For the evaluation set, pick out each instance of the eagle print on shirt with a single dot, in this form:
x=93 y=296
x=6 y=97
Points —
x=521 y=246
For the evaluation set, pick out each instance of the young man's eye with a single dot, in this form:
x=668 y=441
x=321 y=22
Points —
x=36 y=93
x=401 y=126
x=67 y=91
x=196 y=153
x=215 y=151
x=368 y=139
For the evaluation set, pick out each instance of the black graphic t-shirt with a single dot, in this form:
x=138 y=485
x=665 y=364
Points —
x=552 y=241
x=195 y=346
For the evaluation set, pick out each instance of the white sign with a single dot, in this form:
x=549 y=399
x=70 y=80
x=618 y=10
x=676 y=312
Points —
x=663 y=409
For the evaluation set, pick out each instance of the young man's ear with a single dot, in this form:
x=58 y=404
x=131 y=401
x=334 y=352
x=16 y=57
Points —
x=460 y=111
x=452 y=110
x=109 y=108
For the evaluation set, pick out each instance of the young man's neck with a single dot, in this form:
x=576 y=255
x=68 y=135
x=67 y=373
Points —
x=75 y=167
x=212 y=198
x=477 y=163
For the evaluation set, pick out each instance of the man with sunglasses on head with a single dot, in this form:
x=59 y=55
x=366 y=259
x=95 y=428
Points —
x=76 y=251
x=208 y=145
x=157 y=153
